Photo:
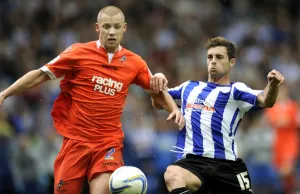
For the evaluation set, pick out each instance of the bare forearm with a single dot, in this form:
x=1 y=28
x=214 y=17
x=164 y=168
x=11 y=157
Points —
x=156 y=104
x=269 y=96
x=29 y=80
x=163 y=100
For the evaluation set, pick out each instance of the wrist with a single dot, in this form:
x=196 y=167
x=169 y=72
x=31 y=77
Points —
x=273 y=84
x=3 y=95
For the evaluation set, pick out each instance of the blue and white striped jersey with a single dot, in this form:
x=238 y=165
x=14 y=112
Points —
x=212 y=113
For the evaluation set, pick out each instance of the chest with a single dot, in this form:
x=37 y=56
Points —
x=100 y=69
x=207 y=99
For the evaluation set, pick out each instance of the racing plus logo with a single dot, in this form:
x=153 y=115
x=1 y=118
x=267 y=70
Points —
x=106 y=86
x=200 y=105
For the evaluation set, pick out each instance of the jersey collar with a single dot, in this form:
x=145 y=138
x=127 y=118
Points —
x=99 y=45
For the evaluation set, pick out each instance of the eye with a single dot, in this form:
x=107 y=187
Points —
x=209 y=57
x=106 y=26
x=118 y=26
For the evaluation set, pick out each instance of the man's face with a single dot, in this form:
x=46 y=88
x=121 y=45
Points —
x=218 y=62
x=111 y=29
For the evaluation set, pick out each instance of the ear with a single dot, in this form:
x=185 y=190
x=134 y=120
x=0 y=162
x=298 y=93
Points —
x=125 y=27
x=97 y=27
x=232 y=62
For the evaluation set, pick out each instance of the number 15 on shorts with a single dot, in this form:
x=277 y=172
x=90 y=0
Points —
x=243 y=180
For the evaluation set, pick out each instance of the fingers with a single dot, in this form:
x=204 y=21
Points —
x=179 y=119
x=275 y=77
x=273 y=71
x=160 y=84
x=154 y=84
x=181 y=122
x=165 y=85
x=281 y=81
x=171 y=116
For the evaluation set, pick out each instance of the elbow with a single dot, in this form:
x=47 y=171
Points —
x=268 y=105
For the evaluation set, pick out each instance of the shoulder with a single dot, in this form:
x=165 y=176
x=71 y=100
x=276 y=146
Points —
x=190 y=83
x=132 y=56
x=240 y=85
x=84 y=46
x=74 y=48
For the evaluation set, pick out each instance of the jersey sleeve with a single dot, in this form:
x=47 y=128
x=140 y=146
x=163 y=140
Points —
x=143 y=76
x=176 y=93
x=246 y=97
x=60 y=65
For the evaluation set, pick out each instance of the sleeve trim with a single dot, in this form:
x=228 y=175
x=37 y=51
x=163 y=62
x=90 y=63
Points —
x=49 y=73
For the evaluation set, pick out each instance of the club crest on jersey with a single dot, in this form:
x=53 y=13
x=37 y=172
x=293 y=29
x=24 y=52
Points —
x=123 y=58
x=109 y=154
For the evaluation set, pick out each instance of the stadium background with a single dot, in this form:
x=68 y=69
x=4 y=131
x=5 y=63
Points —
x=169 y=35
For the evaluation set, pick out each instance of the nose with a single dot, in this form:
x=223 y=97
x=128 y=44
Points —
x=112 y=32
x=213 y=61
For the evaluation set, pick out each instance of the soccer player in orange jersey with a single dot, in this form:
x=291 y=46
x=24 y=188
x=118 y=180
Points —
x=87 y=113
x=283 y=117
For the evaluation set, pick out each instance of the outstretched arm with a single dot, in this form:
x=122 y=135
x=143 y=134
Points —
x=29 y=80
x=268 y=98
x=161 y=99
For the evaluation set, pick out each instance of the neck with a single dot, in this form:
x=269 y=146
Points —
x=109 y=49
x=112 y=50
x=223 y=80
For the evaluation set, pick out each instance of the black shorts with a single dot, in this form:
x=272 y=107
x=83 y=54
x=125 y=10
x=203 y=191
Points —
x=218 y=176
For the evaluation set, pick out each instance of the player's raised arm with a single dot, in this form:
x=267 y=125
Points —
x=29 y=80
x=268 y=98
x=56 y=68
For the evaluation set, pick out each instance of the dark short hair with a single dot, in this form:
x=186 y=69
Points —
x=221 y=41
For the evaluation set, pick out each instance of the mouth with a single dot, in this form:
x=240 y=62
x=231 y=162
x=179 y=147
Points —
x=213 y=70
x=111 y=40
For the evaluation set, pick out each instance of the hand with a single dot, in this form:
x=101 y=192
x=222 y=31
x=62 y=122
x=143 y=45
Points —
x=275 y=77
x=158 y=82
x=179 y=118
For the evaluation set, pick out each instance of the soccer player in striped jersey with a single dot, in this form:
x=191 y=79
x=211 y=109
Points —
x=206 y=149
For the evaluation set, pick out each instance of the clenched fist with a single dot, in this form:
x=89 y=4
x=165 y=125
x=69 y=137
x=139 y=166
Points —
x=275 y=77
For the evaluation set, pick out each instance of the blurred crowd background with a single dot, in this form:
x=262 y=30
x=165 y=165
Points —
x=170 y=35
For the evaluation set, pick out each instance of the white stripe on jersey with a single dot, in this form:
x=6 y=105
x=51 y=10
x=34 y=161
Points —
x=188 y=147
x=227 y=118
x=205 y=125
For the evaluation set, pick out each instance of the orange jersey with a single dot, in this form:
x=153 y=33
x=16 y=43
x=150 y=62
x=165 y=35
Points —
x=94 y=90
x=283 y=118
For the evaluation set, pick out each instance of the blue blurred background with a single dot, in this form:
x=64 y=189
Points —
x=170 y=35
